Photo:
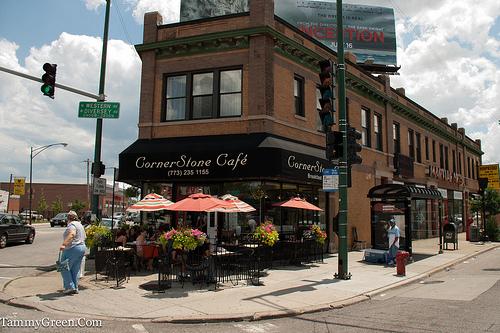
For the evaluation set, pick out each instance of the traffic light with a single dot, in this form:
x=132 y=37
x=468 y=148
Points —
x=353 y=147
x=98 y=169
x=49 y=79
x=334 y=145
x=326 y=88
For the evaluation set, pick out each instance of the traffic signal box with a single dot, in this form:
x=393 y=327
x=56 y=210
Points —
x=326 y=88
x=98 y=169
x=334 y=145
x=49 y=80
x=353 y=147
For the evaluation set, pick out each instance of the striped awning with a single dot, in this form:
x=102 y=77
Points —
x=235 y=205
x=398 y=191
x=150 y=203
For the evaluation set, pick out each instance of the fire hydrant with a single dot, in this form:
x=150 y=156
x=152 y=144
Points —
x=401 y=259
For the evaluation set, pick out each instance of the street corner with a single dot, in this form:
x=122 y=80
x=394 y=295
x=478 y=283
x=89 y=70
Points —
x=34 y=285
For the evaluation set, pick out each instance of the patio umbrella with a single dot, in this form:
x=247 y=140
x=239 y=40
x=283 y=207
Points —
x=198 y=202
x=235 y=205
x=298 y=203
x=150 y=203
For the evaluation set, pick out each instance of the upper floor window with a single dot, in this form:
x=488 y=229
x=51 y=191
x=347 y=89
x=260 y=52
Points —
x=468 y=167
x=377 y=129
x=319 y=125
x=365 y=127
x=454 y=161
x=473 y=174
x=411 y=144
x=459 y=162
x=230 y=93
x=426 y=142
x=396 y=137
x=298 y=95
x=446 y=164
x=203 y=95
x=419 y=147
x=433 y=151
x=441 y=156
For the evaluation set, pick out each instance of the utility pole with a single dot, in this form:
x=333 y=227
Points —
x=343 y=272
x=98 y=134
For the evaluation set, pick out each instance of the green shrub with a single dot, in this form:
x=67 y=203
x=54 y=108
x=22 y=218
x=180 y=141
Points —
x=492 y=230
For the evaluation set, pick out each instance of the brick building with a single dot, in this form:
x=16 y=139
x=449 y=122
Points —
x=67 y=194
x=230 y=105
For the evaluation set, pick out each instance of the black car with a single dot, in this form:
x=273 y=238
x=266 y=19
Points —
x=60 y=219
x=12 y=229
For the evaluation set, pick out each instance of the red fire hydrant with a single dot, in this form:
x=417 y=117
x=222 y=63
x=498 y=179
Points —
x=401 y=259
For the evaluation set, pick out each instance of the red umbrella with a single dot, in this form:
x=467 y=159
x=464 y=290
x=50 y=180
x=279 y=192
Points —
x=150 y=203
x=298 y=203
x=198 y=202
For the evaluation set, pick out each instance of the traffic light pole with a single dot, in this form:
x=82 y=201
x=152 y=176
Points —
x=343 y=272
x=98 y=131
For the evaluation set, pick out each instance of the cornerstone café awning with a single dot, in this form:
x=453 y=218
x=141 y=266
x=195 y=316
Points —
x=221 y=157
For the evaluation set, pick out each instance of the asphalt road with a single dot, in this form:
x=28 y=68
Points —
x=465 y=298
x=20 y=259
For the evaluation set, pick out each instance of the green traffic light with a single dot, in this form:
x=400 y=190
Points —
x=47 y=90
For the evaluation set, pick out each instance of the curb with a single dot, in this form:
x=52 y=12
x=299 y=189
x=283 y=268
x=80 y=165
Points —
x=257 y=316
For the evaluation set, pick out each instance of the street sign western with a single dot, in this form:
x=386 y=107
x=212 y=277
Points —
x=99 y=110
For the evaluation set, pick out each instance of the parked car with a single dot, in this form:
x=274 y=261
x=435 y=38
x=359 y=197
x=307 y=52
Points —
x=12 y=229
x=118 y=215
x=60 y=219
x=107 y=223
x=25 y=215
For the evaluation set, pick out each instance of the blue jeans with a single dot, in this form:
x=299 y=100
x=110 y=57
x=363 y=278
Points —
x=75 y=256
x=391 y=255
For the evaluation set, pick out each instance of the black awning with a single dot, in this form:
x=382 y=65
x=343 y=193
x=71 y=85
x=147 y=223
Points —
x=398 y=191
x=221 y=157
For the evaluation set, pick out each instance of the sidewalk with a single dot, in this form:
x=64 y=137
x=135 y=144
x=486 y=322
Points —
x=285 y=291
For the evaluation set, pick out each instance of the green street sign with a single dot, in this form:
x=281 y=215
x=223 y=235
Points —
x=99 y=110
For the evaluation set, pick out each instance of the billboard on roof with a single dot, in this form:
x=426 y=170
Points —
x=369 y=31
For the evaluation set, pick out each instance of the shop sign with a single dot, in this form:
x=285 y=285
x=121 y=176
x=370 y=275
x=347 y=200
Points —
x=458 y=195
x=446 y=175
x=490 y=171
x=260 y=162
x=19 y=185
x=444 y=193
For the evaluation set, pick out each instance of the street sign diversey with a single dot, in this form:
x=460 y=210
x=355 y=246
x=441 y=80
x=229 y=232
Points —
x=99 y=110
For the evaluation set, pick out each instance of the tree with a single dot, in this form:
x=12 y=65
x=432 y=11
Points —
x=57 y=205
x=42 y=205
x=131 y=192
x=491 y=201
x=78 y=205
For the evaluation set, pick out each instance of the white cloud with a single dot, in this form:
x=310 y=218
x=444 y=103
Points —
x=27 y=118
x=169 y=9
x=94 y=4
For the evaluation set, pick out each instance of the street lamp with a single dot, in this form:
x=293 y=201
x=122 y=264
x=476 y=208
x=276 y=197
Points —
x=33 y=153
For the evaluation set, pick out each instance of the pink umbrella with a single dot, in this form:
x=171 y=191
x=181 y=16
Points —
x=235 y=205
x=298 y=203
x=198 y=202
x=150 y=203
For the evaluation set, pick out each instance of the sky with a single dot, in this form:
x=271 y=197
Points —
x=449 y=53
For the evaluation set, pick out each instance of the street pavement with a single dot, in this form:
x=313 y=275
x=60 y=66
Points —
x=284 y=291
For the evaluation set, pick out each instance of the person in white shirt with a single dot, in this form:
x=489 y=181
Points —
x=73 y=248
x=393 y=235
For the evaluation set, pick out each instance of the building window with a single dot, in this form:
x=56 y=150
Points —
x=396 y=137
x=477 y=170
x=454 y=162
x=203 y=95
x=441 y=156
x=377 y=129
x=459 y=162
x=433 y=151
x=411 y=144
x=473 y=174
x=319 y=124
x=419 y=147
x=298 y=95
x=176 y=98
x=365 y=127
x=230 y=93
x=446 y=165
x=426 y=142
x=203 y=91
x=468 y=167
